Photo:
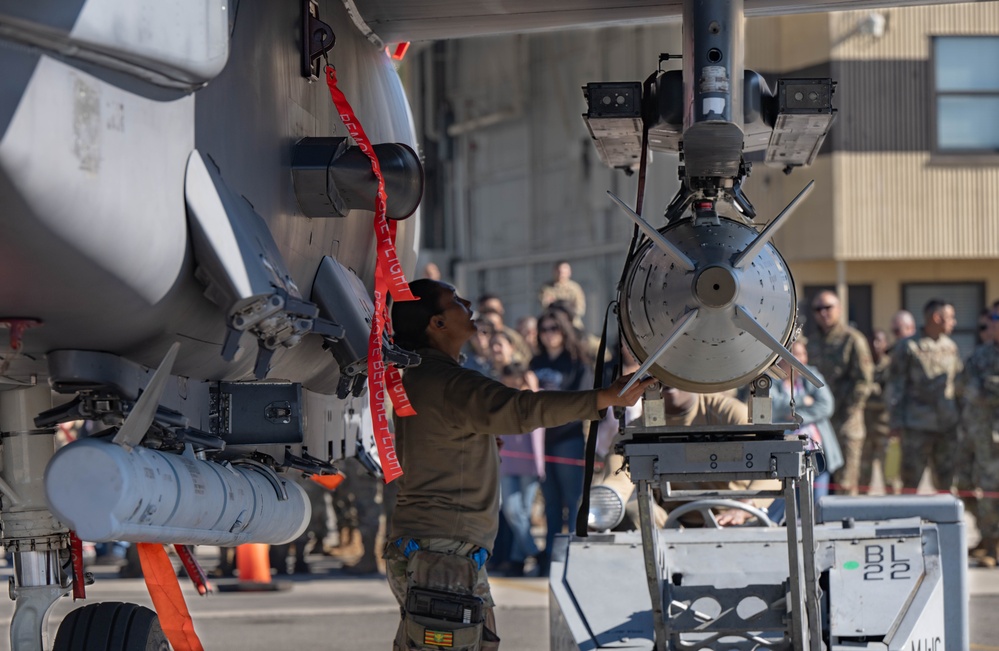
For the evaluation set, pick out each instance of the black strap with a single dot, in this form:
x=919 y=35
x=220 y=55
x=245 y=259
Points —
x=582 y=517
x=636 y=233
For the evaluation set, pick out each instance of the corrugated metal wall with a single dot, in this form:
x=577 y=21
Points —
x=901 y=203
x=906 y=29
x=890 y=198
x=909 y=210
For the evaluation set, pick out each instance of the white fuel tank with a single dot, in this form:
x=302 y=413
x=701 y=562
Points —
x=105 y=492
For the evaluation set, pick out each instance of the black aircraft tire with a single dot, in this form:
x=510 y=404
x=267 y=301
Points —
x=111 y=626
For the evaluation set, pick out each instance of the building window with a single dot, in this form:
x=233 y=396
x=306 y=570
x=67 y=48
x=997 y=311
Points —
x=968 y=300
x=966 y=92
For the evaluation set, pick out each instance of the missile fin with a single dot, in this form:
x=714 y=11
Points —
x=141 y=417
x=744 y=258
x=681 y=327
x=746 y=321
x=668 y=247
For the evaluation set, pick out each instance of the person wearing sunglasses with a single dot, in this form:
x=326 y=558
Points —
x=985 y=327
x=563 y=364
x=842 y=355
x=447 y=511
x=979 y=385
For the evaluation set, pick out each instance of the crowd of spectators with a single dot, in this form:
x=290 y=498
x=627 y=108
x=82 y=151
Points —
x=901 y=404
x=895 y=406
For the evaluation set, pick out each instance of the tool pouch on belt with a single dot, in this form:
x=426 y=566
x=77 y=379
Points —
x=442 y=611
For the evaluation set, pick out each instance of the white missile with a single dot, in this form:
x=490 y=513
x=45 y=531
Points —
x=106 y=492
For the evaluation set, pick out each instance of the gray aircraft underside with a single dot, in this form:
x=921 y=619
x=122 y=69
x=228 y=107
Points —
x=403 y=20
x=93 y=161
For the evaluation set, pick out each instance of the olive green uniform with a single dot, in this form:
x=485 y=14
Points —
x=876 y=427
x=922 y=404
x=447 y=509
x=844 y=359
x=980 y=422
x=566 y=291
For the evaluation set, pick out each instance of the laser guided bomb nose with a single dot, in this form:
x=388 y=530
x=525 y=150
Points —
x=708 y=305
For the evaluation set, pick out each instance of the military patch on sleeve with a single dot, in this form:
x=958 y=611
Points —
x=444 y=639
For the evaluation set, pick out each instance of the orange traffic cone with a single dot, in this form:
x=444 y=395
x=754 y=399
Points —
x=254 y=567
x=253 y=562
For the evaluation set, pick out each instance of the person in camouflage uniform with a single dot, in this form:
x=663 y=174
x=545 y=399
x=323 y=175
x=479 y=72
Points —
x=980 y=426
x=563 y=288
x=842 y=355
x=922 y=402
x=965 y=475
x=876 y=417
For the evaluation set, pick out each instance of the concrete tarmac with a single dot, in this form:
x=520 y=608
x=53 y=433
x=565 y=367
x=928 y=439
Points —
x=330 y=610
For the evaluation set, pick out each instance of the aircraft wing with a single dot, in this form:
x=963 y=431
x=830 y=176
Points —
x=411 y=20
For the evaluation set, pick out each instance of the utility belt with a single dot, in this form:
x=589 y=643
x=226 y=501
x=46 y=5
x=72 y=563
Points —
x=409 y=545
x=442 y=609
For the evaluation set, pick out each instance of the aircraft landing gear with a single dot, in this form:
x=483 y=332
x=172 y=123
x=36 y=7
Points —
x=39 y=545
x=113 y=626
x=37 y=542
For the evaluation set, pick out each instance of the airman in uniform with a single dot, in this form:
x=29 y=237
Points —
x=563 y=288
x=446 y=516
x=876 y=416
x=842 y=355
x=980 y=427
x=922 y=402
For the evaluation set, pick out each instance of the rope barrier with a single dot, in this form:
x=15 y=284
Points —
x=568 y=461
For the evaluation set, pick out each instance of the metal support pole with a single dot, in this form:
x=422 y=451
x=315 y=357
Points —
x=650 y=547
x=955 y=571
x=808 y=544
x=796 y=576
